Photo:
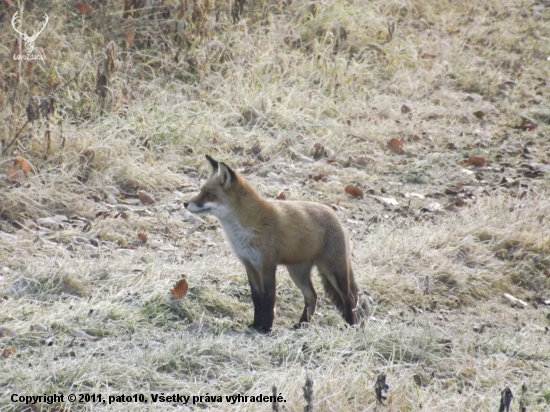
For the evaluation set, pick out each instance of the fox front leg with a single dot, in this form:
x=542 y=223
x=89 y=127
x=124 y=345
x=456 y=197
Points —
x=255 y=288
x=267 y=306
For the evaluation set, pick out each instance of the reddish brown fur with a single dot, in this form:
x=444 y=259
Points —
x=264 y=234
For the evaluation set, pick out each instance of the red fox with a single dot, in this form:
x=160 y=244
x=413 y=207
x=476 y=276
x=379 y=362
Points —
x=264 y=234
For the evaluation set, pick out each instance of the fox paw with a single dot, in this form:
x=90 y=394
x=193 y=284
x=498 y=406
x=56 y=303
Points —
x=300 y=325
x=260 y=329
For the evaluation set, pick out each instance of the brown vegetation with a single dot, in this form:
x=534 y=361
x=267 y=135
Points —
x=424 y=124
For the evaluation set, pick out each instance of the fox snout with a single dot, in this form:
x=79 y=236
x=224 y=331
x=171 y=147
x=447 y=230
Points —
x=194 y=206
x=201 y=205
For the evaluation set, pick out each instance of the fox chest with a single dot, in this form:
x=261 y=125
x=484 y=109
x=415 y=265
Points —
x=241 y=240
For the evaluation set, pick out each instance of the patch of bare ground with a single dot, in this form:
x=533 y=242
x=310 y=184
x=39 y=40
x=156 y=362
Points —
x=425 y=125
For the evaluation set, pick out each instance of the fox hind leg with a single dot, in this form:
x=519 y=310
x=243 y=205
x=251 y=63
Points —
x=301 y=276
x=336 y=282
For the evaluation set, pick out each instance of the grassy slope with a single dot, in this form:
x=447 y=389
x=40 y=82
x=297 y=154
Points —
x=286 y=77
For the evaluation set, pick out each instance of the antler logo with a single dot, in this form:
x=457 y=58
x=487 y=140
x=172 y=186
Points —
x=29 y=40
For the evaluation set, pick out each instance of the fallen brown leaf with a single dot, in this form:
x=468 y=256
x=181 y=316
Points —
x=480 y=114
x=474 y=161
x=14 y=174
x=353 y=191
x=145 y=197
x=255 y=150
x=180 y=289
x=428 y=56
x=8 y=351
x=396 y=146
x=318 y=151
x=281 y=196
x=19 y=167
x=142 y=237
x=130 y=37
x=526 y=124
x=83 y=8
x=86 y=156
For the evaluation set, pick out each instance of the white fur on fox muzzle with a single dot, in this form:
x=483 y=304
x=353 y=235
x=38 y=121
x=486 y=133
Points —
x=212 y=208
x=193 y=208
x=208 y=207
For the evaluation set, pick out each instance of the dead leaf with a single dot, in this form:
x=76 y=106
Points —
x=318 y=177
x=446 y=343
x=474 y=161
x=142 y=237
x=428 y=56
x=361 y=161
x=86 y=156
x=527 y=124
x=145 y=197
x=377 y=47
x=8 y=351
x=18 y=167
x=180 y=289
x=480 y=114
x=14 y=174
x=318 y=151
x=103 y=213
x=255 y=150
x=353 y=191
x=364 y=161
x=83 y=8
x=405 y=109
x=281 y=196
x=396 y=146
x=130 y=37
x=22 y=163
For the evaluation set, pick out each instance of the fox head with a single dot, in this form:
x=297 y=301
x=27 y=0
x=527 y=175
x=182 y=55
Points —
x=216 y=195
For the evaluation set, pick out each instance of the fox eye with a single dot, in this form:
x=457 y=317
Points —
x=209 y=195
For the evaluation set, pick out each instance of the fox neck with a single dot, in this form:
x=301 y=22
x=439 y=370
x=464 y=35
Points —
x=245 y=223
x=249 y=209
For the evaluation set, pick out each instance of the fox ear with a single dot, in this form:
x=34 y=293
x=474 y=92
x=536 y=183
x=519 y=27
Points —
x=227 y=176
x=213 y=165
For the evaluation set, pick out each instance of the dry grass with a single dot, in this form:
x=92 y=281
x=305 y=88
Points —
x=436 y=244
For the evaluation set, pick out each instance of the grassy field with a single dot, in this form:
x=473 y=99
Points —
x=102 y=141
